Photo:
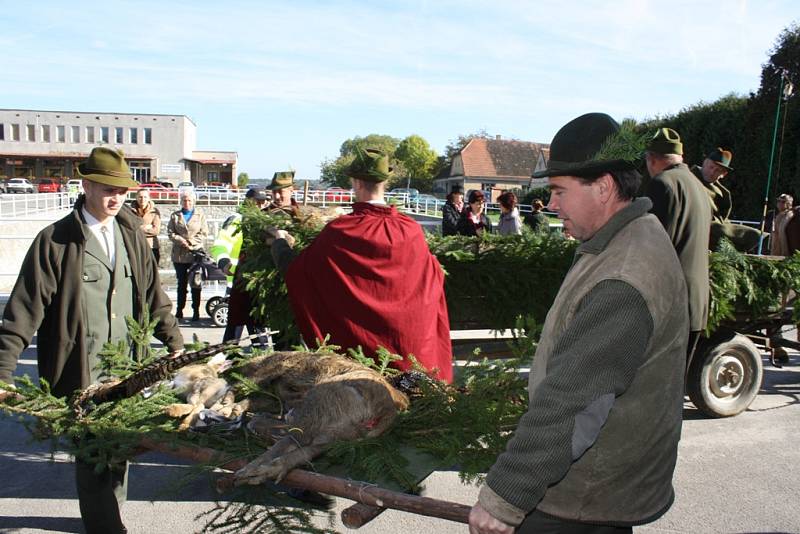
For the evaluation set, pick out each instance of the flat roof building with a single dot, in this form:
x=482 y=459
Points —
x=50 y=144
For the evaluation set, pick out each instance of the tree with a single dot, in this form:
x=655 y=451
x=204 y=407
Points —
x=419 y=162
x=332 y=171
x=242 y=179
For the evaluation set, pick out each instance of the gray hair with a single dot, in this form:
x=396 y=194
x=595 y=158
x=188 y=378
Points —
x=188 y=193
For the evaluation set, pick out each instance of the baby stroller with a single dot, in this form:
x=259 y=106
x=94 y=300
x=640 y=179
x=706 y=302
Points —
x=204 y=269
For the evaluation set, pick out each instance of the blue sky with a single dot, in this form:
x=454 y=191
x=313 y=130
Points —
x=284 y=83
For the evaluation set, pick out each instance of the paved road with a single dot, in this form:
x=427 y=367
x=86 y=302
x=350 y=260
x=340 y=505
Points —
x=734 y=475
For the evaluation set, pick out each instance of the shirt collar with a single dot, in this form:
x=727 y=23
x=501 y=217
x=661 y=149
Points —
x=598 y=242
x=93 y=222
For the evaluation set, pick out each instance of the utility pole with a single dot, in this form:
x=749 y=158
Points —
x=784 y=93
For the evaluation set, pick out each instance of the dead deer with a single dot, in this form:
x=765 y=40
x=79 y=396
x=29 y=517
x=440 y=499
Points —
x=328 y=398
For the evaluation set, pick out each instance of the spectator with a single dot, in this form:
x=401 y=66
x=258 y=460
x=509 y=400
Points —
x=473 y=221
x=151 y=220
x=536 y=219
x=510 y=223
x=779 y=244
x=188 y=230
x=451 y=211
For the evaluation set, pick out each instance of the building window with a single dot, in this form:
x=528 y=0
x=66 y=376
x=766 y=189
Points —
x=148 y=136
x=30 y=131
x=45 y=133
x=15 y=132
x=134 y=136
x=2 y=132
x=104 y=134
x=212 y=176
x=90 y=134
x=75 y=134
x=118 y=133
x=60 y=134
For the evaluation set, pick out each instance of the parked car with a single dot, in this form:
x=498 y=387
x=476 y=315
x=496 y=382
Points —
x=19 y=185
x=338 y=194
x=215 y=192
x=158 y=191
x=429 y=200
x=410 y=192
x=46 y=185
x=74 y=186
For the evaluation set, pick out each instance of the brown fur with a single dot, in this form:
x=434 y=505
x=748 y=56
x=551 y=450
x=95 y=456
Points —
x=329 y=398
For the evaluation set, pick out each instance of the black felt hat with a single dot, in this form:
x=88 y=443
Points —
x=585 y=146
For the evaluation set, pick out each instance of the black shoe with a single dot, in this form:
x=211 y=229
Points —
x=179 y=314
x=195 y=317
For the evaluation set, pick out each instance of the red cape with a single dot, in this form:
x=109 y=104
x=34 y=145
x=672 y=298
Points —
x=369 y=279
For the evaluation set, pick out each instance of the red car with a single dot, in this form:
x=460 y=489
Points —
x=47 y=186
x=158 y=191
x=337 y=194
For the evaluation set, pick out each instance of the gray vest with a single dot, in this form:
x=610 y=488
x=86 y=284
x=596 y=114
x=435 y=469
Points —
x=107 y=295
x=627 y=474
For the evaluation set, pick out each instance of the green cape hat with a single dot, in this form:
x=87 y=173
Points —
x=723 y=157
x=370 y=165
x=665 y=141
x=281 y=180
x=107 y=166
x=588 y=145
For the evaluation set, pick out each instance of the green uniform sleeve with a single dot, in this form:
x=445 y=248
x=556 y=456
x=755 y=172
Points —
x=593 y=362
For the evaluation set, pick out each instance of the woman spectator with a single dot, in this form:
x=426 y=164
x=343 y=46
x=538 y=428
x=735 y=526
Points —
x=778 y=243
x=187 y=229
x=510 y=223
x=451 y=211
x=473 y=219
x=151 y=220
x=536 y=219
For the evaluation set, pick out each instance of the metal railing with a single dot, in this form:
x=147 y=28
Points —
x=14 y=206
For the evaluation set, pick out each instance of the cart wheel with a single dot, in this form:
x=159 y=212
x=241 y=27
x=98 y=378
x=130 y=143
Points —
x=213 y=301
x=220 y=314
x=724 y=379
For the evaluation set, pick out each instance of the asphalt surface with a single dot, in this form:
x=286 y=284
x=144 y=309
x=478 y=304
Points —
x=736 y=475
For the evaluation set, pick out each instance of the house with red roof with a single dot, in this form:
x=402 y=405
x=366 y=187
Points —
x=495 y=165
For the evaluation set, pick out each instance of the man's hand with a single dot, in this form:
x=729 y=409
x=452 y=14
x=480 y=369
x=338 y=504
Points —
x=273 y=233
x=482 y=522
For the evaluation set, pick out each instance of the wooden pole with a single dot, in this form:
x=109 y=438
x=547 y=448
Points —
x=359 y=514
x=361 y=492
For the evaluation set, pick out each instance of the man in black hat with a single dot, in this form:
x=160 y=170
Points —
x=597 y=448
x=682 y=206
x=82 y=276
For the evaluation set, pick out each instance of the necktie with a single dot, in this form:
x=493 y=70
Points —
x=104 y=231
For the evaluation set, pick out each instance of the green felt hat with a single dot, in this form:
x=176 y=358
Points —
x=281 y=180
x=107 y=166
x=666 y=141
x=370 y=165
x=587 y=145
x=723 y=157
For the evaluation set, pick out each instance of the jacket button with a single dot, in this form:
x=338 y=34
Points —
x=113 y=291
x=113 y=315
x=85 y=277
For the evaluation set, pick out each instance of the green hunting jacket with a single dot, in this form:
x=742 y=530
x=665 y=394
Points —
x=682 y=205
x=46 y=300
x=744 y=238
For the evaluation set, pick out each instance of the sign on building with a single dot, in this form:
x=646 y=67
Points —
x=171 y=167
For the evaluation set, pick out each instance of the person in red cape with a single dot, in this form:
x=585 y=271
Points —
x=369 y=279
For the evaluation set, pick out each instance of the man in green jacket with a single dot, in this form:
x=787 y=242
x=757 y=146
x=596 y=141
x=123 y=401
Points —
x=82 y=276
x=715 y=167
x=682 y=205
x=596 y=451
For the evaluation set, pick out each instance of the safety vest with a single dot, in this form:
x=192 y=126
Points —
x=228 y=242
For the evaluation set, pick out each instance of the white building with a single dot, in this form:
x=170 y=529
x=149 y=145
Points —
x=39 y=144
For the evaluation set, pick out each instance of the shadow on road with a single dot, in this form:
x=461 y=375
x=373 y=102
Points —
x=41 y=524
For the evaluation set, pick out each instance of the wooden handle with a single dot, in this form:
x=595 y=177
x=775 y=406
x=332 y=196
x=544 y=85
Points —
x=361 y=492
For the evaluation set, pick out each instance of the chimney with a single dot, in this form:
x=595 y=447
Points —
x=498 y=137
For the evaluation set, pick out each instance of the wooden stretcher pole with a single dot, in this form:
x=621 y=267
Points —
x=359 y=514
x=362 y=492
